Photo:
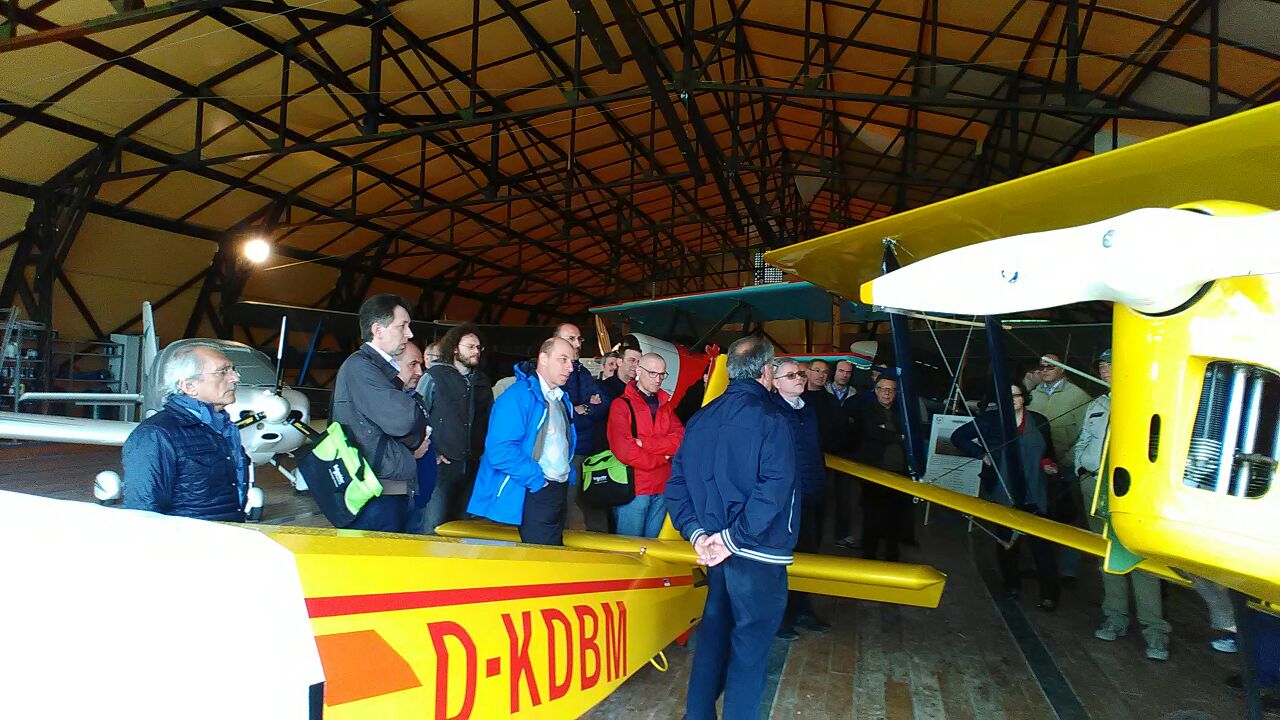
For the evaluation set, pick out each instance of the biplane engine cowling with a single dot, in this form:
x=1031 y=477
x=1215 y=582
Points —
x=1195 y=413
x=1195 y=430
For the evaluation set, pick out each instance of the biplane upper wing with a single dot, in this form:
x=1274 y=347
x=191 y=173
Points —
x=1234 y=158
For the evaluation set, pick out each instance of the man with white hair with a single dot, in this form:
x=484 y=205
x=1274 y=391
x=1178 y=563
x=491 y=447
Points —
x=732 y=495
x=187 y=460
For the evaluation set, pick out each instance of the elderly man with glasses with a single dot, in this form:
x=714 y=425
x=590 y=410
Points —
x=644 y=433
x=789 y=382
x=187 y=460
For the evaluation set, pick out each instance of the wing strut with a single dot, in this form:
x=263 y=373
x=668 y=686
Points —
x=1016 y=483
x=908 y=400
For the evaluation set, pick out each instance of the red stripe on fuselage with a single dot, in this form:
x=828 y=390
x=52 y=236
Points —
x=385 y=602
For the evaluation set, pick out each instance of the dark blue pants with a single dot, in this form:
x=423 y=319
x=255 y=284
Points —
x=808 y=540
x=745 y=601
x=385 y=513
x=542 y=522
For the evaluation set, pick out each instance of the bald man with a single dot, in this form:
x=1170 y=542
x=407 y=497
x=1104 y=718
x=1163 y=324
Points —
x=527 y=467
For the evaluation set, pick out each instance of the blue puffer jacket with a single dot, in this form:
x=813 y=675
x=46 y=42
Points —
x=735 y=474
x=175 y=464
x=507 y=468
x=811 y=467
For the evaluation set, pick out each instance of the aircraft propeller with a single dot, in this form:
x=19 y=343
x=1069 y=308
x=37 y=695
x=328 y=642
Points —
x=1152 y=260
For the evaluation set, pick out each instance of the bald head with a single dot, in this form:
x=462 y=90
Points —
x=555 y=361
x=650 y=372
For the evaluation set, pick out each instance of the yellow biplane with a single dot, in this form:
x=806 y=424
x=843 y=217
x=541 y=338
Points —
x=1195 y=421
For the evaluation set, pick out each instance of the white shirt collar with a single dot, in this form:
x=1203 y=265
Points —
x=798 y=404
x=385 y=356
x=549 y=392
x=1051 y=389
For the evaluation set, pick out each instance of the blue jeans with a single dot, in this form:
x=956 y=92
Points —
x=745 y=601
x=641 y=517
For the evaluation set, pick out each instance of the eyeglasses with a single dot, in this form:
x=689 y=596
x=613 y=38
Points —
x=477 y=348
x=886 y=389
x=224 y=371
x=1018 y=395
x=659 y=375
x=797 y=374
x=1047 y=366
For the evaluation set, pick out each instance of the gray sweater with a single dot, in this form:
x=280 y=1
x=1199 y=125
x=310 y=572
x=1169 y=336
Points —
x=383 y=420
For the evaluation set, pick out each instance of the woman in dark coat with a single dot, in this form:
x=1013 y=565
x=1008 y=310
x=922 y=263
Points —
x=1040 y=471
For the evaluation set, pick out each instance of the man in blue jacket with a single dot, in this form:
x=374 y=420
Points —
x=187 y=460
x=527 y=465
x=732 y=494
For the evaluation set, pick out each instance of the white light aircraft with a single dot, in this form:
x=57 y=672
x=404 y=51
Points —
x=264 y=410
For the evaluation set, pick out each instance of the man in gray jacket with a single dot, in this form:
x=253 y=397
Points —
x=1115 y=588
x=379 y=417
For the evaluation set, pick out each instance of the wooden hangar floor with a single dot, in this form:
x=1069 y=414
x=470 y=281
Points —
x=972 y=658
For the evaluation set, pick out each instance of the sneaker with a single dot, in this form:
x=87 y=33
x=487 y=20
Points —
x=847 y=543
x=1158 y=648
x=1047 y=605
x=1226 y=644
x=1111 y=629
x=787 y=633
x=813 y=624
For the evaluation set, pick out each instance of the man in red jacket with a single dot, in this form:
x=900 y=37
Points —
x=644 y=433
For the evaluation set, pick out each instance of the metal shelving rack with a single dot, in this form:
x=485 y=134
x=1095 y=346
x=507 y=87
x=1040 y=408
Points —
x=89 y=366
x=24 y=357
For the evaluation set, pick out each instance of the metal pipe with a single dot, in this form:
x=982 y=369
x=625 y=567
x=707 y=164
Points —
x=88 y=398
x=1230 y=432
x=1252 y=412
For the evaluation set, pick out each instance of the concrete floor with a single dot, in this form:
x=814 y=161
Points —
x=973 y=657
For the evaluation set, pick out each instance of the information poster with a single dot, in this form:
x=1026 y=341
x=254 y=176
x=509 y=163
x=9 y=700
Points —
x=947 y=466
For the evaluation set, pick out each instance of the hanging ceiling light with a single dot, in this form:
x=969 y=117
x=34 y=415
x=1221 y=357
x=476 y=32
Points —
x=257 y=250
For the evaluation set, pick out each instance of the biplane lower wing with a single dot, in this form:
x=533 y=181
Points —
x=1024 y=522
x=900 y=583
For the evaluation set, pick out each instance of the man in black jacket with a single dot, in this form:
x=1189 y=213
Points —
x=458 y=397
x=834 y=416
x=379 y=417
x=886 y=514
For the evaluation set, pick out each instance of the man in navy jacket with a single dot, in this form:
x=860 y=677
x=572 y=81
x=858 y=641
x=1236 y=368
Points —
x=732 y=494
x=589 y=410
x=187 y=460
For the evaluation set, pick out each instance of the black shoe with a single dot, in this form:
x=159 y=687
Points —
x=813 y=624
x=787 y=633
x=1047 y=605
x=1234 y=681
